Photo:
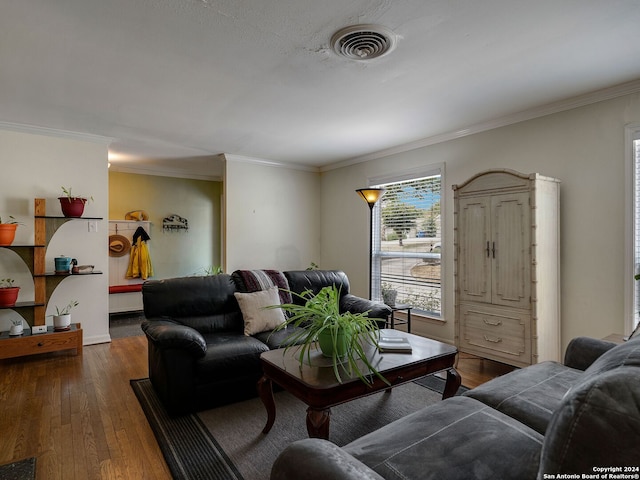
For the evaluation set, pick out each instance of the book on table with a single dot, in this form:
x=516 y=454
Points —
x=394 y=345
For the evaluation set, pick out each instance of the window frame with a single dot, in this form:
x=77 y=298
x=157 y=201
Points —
x=401 y=176
x=632 y=133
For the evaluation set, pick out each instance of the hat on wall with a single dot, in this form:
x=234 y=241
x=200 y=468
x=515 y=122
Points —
x=119 y=245
x=139 y=215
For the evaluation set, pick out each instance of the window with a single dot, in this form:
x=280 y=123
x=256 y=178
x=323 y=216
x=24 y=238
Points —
x=407 y=241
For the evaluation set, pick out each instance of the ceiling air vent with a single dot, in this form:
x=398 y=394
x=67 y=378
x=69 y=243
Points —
x=363 y=42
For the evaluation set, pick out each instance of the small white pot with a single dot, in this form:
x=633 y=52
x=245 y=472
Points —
x=61 y=322
x=16 y=329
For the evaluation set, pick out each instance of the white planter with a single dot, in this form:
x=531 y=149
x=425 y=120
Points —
x=16 y=329
x=61 y=322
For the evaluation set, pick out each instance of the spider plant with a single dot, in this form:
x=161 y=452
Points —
x=11 y=221
x=66 y=310
x=67 y=193
x=320 y=316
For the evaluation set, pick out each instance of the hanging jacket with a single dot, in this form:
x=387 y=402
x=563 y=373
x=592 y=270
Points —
x=146 y=268
x=140 y=260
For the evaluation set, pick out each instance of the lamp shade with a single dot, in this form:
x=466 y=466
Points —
x=371 y=195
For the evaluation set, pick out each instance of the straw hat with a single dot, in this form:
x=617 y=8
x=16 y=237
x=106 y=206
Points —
x=139 y=215
x=119 y=245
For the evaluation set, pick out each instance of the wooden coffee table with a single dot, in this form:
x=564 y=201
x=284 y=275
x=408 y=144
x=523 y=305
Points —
x=316 y=385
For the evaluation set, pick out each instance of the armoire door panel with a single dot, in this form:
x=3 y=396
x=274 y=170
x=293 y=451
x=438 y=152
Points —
x=510 y=250
x=474 y=262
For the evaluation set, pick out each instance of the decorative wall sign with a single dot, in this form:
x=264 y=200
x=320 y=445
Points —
x=175 y=223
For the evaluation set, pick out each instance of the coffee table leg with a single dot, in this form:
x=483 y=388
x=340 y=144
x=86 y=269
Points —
x=453 y=383
x=265 y=391
x=318 y=423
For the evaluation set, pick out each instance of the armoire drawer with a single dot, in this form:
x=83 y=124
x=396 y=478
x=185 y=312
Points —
x=504 y=332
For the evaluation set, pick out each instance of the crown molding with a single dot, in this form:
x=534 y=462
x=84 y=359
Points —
x=269 y=163
x=530 y=114
x=163 y=172
x=54 y=132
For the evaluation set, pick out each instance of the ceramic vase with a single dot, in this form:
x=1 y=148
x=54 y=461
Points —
x=7 y=233
x=9 y=296
x=16 y=328
x=325 y=341
x=72 y=207
x=61 y=322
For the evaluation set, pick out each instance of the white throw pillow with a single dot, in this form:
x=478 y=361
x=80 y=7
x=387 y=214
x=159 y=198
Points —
x=257 y=318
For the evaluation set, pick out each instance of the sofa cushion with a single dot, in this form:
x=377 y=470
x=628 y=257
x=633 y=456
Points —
x=597 y=424
x=316 y=280
x=255 y=312
x=529 y=395
x=459 y=438
x=256 y=280
x=278 y=338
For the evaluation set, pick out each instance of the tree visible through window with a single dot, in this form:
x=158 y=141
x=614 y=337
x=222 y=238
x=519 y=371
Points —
x=407 y=243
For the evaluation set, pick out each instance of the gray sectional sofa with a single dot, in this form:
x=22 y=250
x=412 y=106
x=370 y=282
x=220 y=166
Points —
x=543 y=421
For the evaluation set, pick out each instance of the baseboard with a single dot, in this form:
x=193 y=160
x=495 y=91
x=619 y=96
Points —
x=97 y=339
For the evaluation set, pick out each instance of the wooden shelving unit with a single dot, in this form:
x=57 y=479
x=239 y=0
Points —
x=44 y=283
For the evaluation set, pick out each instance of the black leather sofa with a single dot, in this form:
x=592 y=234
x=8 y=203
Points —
x=199 y=355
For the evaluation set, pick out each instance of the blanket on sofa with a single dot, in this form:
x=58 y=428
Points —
x=256 y=280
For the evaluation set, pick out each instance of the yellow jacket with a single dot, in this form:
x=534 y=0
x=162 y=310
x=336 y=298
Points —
x=140 y=261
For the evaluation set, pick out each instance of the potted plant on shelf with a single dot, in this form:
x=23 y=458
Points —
x=62 y=318
x=8 y=231
x=8 y=292
x=343 y=337
x=72 y=205
x=17 y=327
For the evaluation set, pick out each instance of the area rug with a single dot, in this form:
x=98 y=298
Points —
x=227 y=443
x=21 y=470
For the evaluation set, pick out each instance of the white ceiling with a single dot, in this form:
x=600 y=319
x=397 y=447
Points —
x=177 y=82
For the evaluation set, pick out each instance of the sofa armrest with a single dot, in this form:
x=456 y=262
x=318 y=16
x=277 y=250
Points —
x=167 y=334
x=354 y=304
x=583 y=351
x=316 y=459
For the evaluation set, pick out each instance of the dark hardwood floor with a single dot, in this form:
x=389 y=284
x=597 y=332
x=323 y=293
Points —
x=79 y=417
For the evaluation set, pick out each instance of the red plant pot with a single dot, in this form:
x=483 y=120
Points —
x=72 y=207
x=8 y=296
x=7 y=233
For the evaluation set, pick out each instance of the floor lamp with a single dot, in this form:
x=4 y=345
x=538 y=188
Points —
x=371 y=196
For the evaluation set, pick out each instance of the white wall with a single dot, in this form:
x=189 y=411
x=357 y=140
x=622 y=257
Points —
x=36 y=166
x=583 y=147
x=271 y=216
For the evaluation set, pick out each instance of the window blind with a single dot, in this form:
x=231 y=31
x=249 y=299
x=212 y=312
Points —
x=407 y=242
